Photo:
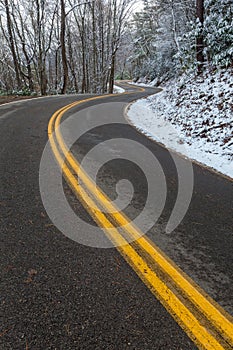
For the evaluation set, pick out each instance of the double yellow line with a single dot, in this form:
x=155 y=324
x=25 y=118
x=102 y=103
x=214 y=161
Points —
x=206 y=323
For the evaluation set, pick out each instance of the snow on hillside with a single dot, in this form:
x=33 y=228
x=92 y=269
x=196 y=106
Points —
x=193 y=116
x=118 y=90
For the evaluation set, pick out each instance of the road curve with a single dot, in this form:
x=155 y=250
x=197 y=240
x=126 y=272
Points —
x=57 y=294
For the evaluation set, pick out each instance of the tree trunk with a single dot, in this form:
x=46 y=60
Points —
x=83 y=63
x=63 y=48
x=112 y=73
x=200 y=39
x=94 y=48
x=12 y=45
x=71 y=63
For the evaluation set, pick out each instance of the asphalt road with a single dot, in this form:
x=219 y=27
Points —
x=58 y=294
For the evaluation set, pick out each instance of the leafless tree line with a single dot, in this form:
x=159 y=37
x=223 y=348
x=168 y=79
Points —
x=60 y=46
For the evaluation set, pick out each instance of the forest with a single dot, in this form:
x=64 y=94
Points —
x=68 y=46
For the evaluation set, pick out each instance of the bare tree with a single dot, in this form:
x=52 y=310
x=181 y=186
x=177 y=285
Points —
x=12 y=44
x=200 y=39
x=120 y=11
x=63 y=47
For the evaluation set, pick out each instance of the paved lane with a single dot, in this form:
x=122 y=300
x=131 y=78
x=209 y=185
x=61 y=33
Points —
x=57 y=294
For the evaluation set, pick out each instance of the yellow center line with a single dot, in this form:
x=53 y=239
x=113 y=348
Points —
x=182 y=315
x=213 y=312
x=218 y=317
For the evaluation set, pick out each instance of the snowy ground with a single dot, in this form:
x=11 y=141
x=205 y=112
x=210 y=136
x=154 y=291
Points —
x=118 y=90
x=193 y=117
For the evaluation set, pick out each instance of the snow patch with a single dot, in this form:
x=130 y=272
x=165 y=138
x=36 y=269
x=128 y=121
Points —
x=192 y=116
x=118 y=90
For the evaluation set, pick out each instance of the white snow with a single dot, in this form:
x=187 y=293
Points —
x=118 y=90
x=192 y=116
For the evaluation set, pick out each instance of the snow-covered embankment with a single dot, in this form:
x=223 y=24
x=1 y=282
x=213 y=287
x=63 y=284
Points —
x=193 y=117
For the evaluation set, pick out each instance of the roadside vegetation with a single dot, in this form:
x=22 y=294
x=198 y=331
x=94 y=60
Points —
x=188 y=51
x=69 y=46
x=172 y=37
x=61 y=46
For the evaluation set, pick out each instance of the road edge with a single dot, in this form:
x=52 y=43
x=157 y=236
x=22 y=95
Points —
x=194 y=161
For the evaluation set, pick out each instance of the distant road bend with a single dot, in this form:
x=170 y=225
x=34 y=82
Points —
x=59 y=288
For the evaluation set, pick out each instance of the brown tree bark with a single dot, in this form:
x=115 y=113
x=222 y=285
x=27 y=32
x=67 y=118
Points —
x=41 y=60
x=12 y=45
x=200 y=39
x=63 y=48
x=112 y=74
x=94 y=48
x=22 y=38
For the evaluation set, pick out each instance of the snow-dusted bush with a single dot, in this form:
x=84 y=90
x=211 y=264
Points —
x=157 y=38
x=218 y=32
x=166 y=33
